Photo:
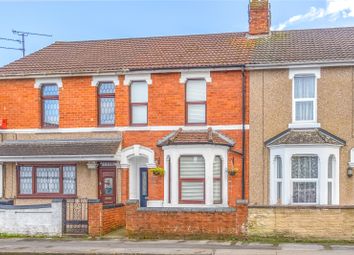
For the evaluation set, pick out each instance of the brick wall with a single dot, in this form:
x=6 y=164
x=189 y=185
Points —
x=331 y=223
x=20 y=101
x=102 y=220
x=259 y=17
x=166 y=223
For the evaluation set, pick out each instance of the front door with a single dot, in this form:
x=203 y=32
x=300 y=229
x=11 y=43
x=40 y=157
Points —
x=107 y=185
x=143 y=186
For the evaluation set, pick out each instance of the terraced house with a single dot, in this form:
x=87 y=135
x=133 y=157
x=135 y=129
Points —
x=183 y=135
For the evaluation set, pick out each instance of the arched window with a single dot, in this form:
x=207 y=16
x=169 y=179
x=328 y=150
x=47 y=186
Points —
x=330 y=177
x=50 y=105
x=279 y=178
x=217 y=180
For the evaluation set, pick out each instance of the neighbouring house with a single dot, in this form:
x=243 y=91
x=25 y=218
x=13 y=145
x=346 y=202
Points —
x=176 y=135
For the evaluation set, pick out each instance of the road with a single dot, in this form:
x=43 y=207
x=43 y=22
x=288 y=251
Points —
x=168 y=247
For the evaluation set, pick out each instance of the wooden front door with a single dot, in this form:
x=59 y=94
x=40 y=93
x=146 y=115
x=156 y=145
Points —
x=107 y=185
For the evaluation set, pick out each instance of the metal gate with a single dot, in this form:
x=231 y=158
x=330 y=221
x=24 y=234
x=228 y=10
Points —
x=75 y=216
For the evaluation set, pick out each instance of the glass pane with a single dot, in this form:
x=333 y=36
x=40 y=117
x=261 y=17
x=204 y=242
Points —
x=108 y=186
x=48 y=180
x=144 y=191
x=217 y=190
x=51 y=112
x=304 y=192
x=192 y=191
x=139 y=92
x=69 y=180
x=329 y=193
x=196 y=90
x=279 y=167
x=305 y=87
x=25 y=180
x=50 y=90
x=192 y=167
x=107 y=110
x=304 y=110
x=330 y=167
x=196 y=113
x=139 y=113
x=107 y=88
x=304 y=167
x=217 y=167
x=279 y=192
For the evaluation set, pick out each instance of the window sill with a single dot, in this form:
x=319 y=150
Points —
x=49 y=196
x=305 y=125
x=187 y=209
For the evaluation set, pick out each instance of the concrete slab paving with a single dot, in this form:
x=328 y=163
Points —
x=297 y=246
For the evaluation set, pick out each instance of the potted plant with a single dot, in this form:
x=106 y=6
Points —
x=157 y=171
x=232 y=171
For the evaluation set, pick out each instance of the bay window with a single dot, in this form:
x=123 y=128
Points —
x=106 y=102
x=50 y=105
x=217 y=180
x=279 y=178
x=139 y=103
x=192 y=179
x=47 y=180
x=196 y=101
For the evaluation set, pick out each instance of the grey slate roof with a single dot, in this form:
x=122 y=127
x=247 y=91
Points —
x=188 y=51
x=59 y=147
x=305 y=136
x=182 y=137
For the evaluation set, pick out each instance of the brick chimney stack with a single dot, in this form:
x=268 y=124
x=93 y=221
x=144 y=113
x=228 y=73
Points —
x=259 y=17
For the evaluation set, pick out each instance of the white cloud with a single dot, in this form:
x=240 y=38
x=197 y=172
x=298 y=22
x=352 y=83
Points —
x=334 y=9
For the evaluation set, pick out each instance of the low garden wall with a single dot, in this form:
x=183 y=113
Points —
x=43 y=219
x=104 y=219
x=184 y=222
x=330 y=222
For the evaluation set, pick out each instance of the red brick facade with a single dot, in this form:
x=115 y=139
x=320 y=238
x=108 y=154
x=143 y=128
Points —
x=259 y=17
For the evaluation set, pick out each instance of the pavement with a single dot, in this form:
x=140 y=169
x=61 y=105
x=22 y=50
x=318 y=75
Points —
x=164 y=247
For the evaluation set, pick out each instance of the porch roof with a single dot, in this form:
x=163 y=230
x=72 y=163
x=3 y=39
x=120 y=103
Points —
x=305 y=137
x=43 y=150
x=181 y=137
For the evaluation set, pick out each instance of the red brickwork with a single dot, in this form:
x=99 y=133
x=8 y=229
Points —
x=259 y=17
x=103 y=220
x=184 y=223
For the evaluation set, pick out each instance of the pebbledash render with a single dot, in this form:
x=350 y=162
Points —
x=219 y=134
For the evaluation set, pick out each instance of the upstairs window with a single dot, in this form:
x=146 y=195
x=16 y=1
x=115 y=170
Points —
x=196 y=102
x=50 y=105
x=106 y=101
x=139 y=103
x=304 y=101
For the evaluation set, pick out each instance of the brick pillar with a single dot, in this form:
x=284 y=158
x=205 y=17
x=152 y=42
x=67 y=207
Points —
x=131 y=216
x=95 y=208
x=124 y=185
x=241 y=216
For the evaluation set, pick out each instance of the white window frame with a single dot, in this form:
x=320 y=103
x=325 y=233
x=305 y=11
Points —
x=286 y=152
x=277 y=179
x=310 y=180
x=296 y=73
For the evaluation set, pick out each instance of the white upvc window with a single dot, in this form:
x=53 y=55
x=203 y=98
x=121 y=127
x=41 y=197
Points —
x=196 y=101
x=279 y=178
x=330 y=178
x=139 y=103
x=304 y=98
x=304 y=179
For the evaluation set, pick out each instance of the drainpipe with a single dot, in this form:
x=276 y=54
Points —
x=243 y=130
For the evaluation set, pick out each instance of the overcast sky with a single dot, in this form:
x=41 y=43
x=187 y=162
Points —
x=83 y=20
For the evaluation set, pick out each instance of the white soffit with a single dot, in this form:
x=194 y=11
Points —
x=188 y=75
x=304 y=71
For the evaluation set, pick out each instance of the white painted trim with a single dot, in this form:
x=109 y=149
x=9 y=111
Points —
x=104 y=78
x=304 y=125
x=1 y=180
x=129 y=78
x=208 y=152
x=119 y=129
x=154 y=203
x=304 y=71
x=59 y=158
x=298 y=72
x=137 y=151
x=40 y=81
x=351 y=163
x=323 y=152
x=187 y=75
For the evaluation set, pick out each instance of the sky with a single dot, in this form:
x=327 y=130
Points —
x=86 y=20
